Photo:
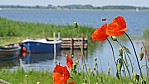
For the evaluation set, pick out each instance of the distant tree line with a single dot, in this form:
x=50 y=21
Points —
x=73 y=7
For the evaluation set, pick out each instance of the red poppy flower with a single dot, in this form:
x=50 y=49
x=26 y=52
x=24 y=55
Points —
x=71 y=83
x=100 y=34
x=69 y=62
x=117 y=27
x=60 y=75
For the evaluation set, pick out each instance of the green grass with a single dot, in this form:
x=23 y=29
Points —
x=21 y=77
x=146 y=34
x=146 y=38
x=11 y=28
x=15 y=31
x=32 y=77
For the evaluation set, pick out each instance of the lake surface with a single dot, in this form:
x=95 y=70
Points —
x=137 y=22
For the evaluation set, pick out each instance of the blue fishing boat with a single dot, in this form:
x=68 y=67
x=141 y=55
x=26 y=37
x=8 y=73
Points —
x=41 y=45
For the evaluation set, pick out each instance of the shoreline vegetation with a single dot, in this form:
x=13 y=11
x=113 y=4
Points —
x=75 y=7
x=21 y=30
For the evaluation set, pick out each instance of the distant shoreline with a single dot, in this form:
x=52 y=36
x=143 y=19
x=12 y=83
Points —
x=73 y=9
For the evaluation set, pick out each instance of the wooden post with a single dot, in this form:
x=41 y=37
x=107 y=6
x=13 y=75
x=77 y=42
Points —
x=71 y=46
x=86 y=41
x=54 y=47
x=59 y=36
x=82 y=41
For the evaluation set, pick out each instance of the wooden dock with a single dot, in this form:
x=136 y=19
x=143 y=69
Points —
x=74 y=43
x=71 y=44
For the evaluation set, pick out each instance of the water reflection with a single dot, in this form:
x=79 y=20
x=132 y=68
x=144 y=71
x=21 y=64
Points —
x=9 y=63
x=36 y=58
x=9 y=59
x=37 y=61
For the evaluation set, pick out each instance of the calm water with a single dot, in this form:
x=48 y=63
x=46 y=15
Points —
x=137 y=22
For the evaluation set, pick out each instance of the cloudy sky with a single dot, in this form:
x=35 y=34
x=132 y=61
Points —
x=141 y=3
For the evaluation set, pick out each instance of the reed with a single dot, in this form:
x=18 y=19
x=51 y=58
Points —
x=22 y=30
x=11 y=28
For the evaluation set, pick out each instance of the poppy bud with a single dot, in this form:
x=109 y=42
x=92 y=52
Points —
x=97 y=83
x=88 y=68
x=72 y=56
x=85 y=81
x=120 y=51
x=26 y=76
x=95 y=59
x=74 y=66
x=83 y=66
x=75 y=25
x=134 y=75
x=66 y=55
x=114 y=38
x=109 y=70
x=77 y=61
x=119 y=66
x=92 y=72
x=141 y=54
x=94 y=67
x=137 y=78
x=96 y=64
x=59 y=63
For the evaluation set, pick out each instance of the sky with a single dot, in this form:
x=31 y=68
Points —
x=138 y=3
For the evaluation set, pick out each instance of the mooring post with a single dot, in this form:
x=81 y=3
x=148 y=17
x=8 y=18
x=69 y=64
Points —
x=86 y=41
x=71 y=46
x=82 y=41
x=59 y=36
x=54 y=47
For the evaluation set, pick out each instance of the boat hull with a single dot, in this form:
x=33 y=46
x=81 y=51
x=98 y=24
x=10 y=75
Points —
x=8 y=53
x=41 y=47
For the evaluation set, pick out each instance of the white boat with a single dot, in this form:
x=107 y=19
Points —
x=137 y=9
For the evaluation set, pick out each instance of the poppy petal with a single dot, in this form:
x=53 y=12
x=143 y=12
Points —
x=100 y=34
x=117 y=27
x=69 y=62
x=60 y=75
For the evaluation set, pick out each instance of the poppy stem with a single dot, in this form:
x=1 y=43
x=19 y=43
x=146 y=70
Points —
x=146 y=55
x=112 y=50
x=135 y=54
x=126 y=53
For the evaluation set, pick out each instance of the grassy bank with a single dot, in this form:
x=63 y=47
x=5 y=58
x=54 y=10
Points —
x=32 y=77
x=146 y=37
x=10 y=28
x=146 y=34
